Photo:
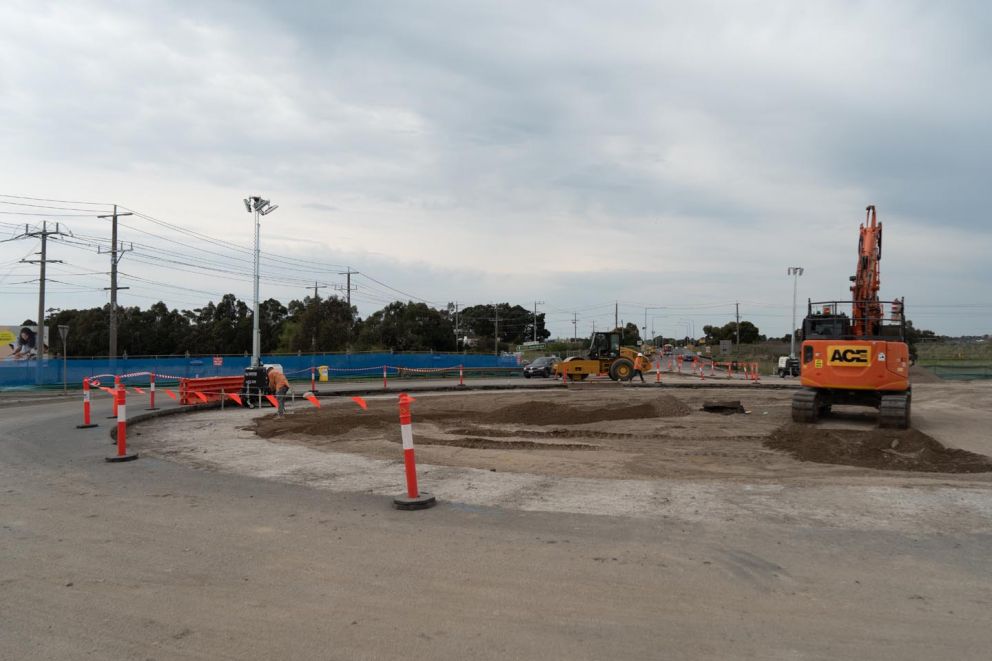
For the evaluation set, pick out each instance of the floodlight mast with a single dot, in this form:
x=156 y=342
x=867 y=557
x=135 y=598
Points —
x=794 y=271
x=261 y=208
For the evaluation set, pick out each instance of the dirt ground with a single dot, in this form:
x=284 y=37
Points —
x=626 y=433
x=622 y=450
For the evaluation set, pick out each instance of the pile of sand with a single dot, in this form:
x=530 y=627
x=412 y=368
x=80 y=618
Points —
x=551 y=413
x=883 y=449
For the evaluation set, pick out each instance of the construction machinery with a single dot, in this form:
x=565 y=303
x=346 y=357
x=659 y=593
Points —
x=854 y=352
x=605 y=356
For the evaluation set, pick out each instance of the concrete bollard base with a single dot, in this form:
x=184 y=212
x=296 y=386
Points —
x=422 y=502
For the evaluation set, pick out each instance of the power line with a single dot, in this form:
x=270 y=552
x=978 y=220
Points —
x=48 y=206
x=45 y=199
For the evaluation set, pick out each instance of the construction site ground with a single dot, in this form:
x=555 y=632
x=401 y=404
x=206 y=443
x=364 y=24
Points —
x=677 y=534
x=627 y=450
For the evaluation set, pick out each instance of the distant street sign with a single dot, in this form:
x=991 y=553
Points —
x=531 y=346
x=725 y=347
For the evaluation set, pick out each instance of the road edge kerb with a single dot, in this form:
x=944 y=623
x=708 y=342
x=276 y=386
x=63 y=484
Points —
x=152 y=415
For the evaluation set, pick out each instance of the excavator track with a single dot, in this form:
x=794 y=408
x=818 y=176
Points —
x=805 y=406
x=893 y=412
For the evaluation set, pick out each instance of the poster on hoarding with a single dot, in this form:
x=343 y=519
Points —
x=20 y=342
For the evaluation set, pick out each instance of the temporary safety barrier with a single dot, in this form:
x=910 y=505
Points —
x=120 y=399
x=414 y=499
x=86 y=406
x=195 y=391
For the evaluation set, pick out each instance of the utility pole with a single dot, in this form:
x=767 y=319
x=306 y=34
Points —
x=496 y=331
x=347 y=288
x=536 y=303
x=575 y=331
x=616 y=314
x=737 y=329
x=316 y=320
x=39 y=341
x=116 y=253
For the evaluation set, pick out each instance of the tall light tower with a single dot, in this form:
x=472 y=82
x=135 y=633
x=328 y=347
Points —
x=795 y=272
x=259 y=207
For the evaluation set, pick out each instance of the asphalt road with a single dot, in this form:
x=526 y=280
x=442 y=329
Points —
x=155 y=560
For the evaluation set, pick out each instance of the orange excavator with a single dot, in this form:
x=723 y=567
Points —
x=855 y=352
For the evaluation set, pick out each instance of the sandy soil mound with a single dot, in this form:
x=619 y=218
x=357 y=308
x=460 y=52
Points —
x=481 y=443
x=551 y=413
x=627 y=433
x=885 y=449
x=323 y=423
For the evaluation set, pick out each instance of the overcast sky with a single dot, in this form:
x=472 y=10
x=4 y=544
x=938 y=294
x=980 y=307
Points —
x=674 y=157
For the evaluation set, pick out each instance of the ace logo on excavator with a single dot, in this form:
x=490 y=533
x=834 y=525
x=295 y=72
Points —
x=849 y=355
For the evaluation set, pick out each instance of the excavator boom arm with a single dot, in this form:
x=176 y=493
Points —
x=867 y=309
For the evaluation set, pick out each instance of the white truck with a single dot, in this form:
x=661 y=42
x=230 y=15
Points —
x=787 y=366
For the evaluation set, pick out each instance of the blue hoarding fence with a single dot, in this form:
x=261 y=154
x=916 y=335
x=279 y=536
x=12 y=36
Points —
x=25 y=374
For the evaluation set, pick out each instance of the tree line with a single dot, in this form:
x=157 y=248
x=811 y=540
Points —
x=329 y=324
x=313 y=324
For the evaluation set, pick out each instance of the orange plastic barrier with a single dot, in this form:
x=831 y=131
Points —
x=211 y=389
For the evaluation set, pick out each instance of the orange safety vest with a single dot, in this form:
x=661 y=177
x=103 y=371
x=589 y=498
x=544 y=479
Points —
x=277 y=380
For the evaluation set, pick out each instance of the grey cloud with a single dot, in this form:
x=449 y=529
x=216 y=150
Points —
x=711 y=121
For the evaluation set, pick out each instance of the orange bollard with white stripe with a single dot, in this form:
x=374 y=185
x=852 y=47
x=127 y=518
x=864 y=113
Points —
x=313 y=380
x=117 y=386
x=120 y=399
x=151 y=392
x=657 y=371
x=461 y=375
x=414 y=498
x=86 y=406
x=385 y=385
